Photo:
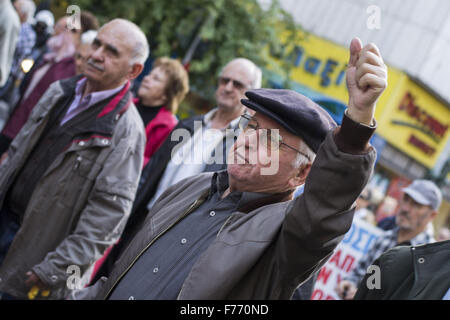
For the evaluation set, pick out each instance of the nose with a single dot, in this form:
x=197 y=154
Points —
x=405 y=206
x=96 y=54
x=250 y=139
x=229 y=85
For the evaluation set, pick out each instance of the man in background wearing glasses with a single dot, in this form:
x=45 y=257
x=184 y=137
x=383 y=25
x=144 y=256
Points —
x=237 y=233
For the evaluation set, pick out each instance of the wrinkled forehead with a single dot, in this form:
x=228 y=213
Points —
x=269 y=123
x=238 y=70
x=117 y=35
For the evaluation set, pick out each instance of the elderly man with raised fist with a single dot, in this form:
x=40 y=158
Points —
x=238 y=233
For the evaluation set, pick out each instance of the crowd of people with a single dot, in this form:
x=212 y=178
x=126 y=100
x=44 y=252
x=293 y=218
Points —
x=247 y=201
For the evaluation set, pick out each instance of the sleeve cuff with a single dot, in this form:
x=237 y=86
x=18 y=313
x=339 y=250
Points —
x=353 y=137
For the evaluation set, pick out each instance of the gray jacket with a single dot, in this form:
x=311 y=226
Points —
x=80 y=205
x=267 y=252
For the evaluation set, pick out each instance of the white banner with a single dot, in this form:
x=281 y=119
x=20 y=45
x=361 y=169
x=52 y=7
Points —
x=356 y=243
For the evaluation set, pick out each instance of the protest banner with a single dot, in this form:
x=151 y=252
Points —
x=353 y=247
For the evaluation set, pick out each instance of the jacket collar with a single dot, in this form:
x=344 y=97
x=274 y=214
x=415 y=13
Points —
x=248 y=201
x=107 y=118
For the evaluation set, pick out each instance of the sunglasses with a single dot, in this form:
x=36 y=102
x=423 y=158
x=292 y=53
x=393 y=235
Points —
x=273 y=140
x=223 y=81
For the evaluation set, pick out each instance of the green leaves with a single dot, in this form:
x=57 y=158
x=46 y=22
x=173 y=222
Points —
x=226 y=29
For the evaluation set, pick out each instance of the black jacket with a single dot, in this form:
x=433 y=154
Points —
x=411 y=273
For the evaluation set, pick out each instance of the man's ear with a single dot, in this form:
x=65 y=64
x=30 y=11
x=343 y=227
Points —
x=300 y=176
x=433 y=214
x=135 y=71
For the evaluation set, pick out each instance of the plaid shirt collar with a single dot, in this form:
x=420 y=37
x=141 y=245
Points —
x=422 y=238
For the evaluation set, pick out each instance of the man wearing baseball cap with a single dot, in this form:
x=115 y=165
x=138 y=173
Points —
x=418 y=207
x=238 y=233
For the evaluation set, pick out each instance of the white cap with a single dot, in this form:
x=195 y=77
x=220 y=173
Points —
x=46 y=17
x=425 y=192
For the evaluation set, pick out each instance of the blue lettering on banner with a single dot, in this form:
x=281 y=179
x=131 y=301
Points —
x=312 y=65
x=327 y=70
x=369 y=243
x=359 y=238
x=361 y=234
x=349 y=234
x=341 y=76
x=298 y=53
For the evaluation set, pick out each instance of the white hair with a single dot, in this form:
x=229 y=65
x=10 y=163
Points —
x=141 y=49
x=28 y=8
x=301 y=160
x=254 y=70
x=88 y=37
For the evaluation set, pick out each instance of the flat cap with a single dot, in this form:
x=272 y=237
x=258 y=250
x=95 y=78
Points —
x=295 y=112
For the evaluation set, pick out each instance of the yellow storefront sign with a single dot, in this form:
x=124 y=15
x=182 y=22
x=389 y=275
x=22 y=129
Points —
x=409 y=117
x=416 y=123
x=321 y=66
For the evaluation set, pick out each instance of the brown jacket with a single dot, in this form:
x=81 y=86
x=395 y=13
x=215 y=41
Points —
x=265 y=253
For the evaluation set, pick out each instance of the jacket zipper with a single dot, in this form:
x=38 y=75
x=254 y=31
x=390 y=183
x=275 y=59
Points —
x=223 y=226
x=197 y=203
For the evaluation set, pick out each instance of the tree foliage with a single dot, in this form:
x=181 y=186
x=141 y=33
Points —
x=226 y=29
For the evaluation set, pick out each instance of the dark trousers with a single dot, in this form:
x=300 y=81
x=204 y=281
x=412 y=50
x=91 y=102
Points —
x=8 y=230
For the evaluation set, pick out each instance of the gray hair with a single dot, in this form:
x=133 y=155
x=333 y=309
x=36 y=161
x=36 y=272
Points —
x=255 y=71
x=88 y=37
x=301 y=160
x=141 y=49
x=28 y=8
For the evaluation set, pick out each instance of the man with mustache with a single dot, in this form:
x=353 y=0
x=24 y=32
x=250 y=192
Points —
x=71 y=174
x=238 y=233
x=418 y=207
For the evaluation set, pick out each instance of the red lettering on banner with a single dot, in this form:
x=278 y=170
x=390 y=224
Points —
x=347 y=258
x=324 y=274
x=336 y=257
x=339 y=279
x=317 y=295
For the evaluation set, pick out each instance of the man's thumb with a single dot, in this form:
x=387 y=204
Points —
x=355 y=49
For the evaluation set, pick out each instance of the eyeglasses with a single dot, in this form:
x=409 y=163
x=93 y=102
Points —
x=223 y=81
x=273 y=139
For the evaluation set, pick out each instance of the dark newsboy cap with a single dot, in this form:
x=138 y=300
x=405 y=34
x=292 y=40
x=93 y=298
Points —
x=295 y=112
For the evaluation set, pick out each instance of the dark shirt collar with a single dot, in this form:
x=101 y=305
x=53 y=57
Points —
x=246 y=199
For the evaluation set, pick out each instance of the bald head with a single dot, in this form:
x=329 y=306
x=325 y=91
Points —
x=253 y=72
x=133 y=35
x=117 y=55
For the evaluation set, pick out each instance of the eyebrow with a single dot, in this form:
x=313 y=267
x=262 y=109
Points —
x=108 y=46
x=113 y=49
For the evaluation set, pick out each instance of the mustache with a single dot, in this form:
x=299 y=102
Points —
x=403 y=213
x=95 y=65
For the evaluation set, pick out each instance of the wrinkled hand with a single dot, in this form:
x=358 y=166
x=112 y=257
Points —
x=366 y=81
x=34 y=280
x=346 y=290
